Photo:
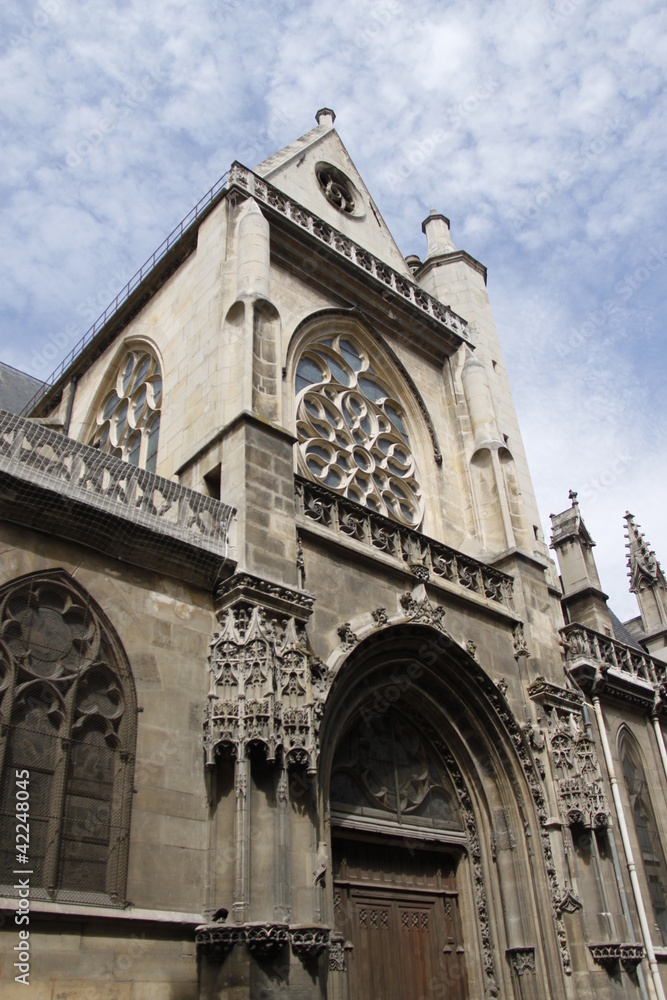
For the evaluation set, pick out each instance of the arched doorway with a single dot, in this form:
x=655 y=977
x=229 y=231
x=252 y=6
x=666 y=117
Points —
x=428 y=791
x=397 y=839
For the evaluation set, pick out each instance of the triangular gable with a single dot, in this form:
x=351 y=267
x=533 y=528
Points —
x=293 y=170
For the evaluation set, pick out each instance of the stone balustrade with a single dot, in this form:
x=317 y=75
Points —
x=372 y=266
x=48 y=478
x=598 y=661
x=424 y=557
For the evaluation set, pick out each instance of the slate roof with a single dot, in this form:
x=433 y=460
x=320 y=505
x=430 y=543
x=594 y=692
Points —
x=622 y=634
x=16 y=388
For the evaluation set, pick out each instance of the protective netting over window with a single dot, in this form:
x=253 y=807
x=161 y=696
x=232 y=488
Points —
x=67 y=753
x=352 y=432
x=128 y=421
x=384 y=767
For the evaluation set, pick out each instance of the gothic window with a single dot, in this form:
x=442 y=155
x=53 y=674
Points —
x=128 y=419
x=647 y=831
x=67 y=697
x=383 y=767
x=352 y=432
x=338 y=189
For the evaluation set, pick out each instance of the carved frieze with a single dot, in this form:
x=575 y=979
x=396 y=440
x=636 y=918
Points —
x=610 y=954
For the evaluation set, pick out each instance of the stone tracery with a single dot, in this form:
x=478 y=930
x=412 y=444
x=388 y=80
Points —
x=352 y=432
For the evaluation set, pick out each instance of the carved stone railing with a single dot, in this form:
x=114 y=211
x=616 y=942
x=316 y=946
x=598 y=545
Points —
x=56 y=484
x=424 y=557
x=372 y=266
x=600 y=662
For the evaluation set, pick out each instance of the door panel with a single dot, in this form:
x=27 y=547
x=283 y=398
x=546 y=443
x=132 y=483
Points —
x=406 y=938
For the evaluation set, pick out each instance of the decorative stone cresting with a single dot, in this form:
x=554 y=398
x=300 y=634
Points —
x=423 y=556
x=375 y=269
x=603 y=664
x=126 y=510
x=309 y=942
x=267 y=689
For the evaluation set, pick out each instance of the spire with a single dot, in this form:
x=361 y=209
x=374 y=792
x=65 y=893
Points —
x=583 y=598
x=647 y=580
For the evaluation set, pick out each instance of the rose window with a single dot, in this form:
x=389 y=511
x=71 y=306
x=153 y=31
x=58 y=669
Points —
x=351 y=431
x=128 y=421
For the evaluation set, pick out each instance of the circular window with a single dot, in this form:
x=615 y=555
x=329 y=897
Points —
x=338 y=189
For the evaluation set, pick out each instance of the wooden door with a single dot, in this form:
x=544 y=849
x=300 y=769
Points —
x=399 y=910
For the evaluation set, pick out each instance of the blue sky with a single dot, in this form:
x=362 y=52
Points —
x=537 y=127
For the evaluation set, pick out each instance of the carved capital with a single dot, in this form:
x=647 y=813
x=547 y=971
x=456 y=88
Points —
x=522 y=960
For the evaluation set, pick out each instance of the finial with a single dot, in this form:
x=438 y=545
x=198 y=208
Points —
x=572 y=495
x=325 y=116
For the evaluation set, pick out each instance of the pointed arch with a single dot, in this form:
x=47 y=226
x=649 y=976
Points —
x=68 y=708
x=361 y=424
x=421 y=673
x=125 y=419
x=646 y=828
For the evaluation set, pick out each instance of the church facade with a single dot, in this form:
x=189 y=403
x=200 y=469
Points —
x=293 y=700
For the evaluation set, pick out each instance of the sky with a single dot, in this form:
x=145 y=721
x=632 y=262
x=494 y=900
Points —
x=537 y=126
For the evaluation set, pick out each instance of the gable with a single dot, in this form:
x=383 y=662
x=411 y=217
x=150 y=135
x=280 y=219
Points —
x=317 y=172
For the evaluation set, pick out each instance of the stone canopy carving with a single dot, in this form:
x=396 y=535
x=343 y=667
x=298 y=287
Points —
x=267 y=689
x=581 y=796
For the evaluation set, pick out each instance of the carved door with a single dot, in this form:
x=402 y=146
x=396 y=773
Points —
x=399 y=911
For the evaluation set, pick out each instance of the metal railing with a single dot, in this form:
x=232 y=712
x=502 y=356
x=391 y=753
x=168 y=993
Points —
x=203 y=205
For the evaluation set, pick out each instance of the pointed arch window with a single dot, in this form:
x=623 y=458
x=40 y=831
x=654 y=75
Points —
x=385 y=768
x=127 y=422
x=648 y=837
x=68 y=702
x=352 y=431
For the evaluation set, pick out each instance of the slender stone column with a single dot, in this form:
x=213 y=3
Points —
x=242 y=841
x=283 y=899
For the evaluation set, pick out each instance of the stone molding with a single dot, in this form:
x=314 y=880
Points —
x=107 y=503
x=263 y=940
x=555 y=696
x=373 y=268
x=423 y=556
x=255 y=591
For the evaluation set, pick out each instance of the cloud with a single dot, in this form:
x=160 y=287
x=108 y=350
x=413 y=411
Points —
x=539 y=128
